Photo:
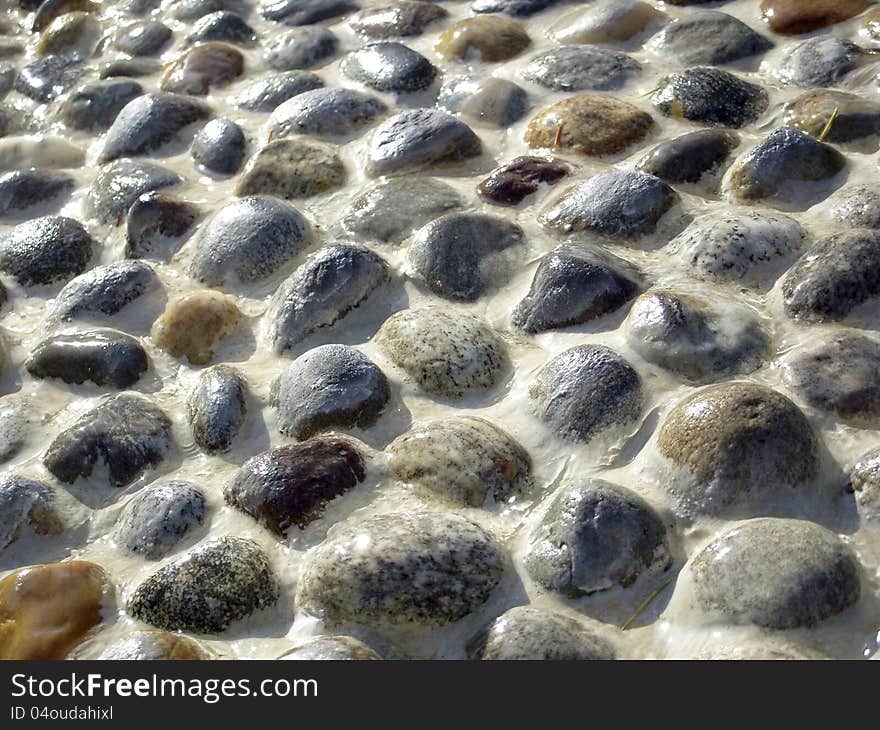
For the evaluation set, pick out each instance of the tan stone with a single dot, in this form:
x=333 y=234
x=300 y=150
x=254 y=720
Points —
x=871 y=23
x=853 y=117
x=592 y=124
x=493 y=37
x=47 y=610
x=802 y=16
x=194 y=325
x=603 y=23
x=70 y=32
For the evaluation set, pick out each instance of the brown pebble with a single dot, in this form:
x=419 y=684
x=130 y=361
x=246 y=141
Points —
x=47 y=610
x=194 y=325
x=853 y=117
x=202 y=68
x=292 y=168
x=493 y=37
x=51 y=9
x=592 y=124
x=802 y=16
x=510 y=184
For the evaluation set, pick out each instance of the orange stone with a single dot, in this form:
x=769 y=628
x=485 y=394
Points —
x=47 y=610
x=802 y=16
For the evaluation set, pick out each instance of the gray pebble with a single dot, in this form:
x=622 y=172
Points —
x=222 y=581
x=778 y=574
x=838 y=374
x=47 y=78
x=864 y=480
x=390 y=210
x=526 y=633
x=133 y=67
x=127 y=433
x=463 y=460
x=93 y=107
x=699 y=339
x=595 y=536
x=325 y=112
x=708 y=37
x=300 y=48
x=223 y=25
x=119 y=184
x=158 y=517
x=144 y=38
x=820 y=61
x=103 y=291
x=149 y=122
x=782 y=167
x=26 y=502
x=690 y=157
x=195 y=9
x=16 y=418
x=834 y=276
x=734 y=446
x=400 y=19
x=155 y=224
x=491 y=101
x=331 y=387
x=267 y=94
x=305 y=12
x=445 y=352
x=581 y=67
x=406 y=568
x=575 y=283
x=21 y=190
x=518 y=8
x=586 y=390
x=219 y=147
x=389 y=66
x=45 y=250
x=418 y=138
x=333 y=281
x=460 y=256
x=217 y=408
x=617 y=204
x=856 y=205
x=710 y=96
x=249 y=240
x=103 y=357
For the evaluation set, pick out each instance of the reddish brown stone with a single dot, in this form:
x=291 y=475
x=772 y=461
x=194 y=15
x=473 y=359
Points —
x=802 y=16
x=206 y=66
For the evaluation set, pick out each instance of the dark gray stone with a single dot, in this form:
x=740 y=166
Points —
x=820 y=61
x=389 y=66
x=26 y=502
x=48 y=77
x=45 y=250
x=710 y=96
x=595 y=536
x=330 y=387
x=217 y=408
x=834 y=276
x=407 y=568
x=219 y=147
x=16 y=417
x=158 y=517
x=133 y=67
x=127 y=433
x=222 y=581
x=300 y=48
x=708 y=37
x=585 y=391
x=149 y=122
x=223 y=25
x=460 y=256
x=332 y=282
x=103 y=357
x=249 y=240
x=399 y=19
x=305 y=12
x=103 y=291
x=418 y=138
x=155 y=224
x=94 y=106
x=118 y=186
x=21 y=190
x=325 y=112
x=690 y=157
x=616 y=204
x=778 y=574
x=575 y=283
x=145 y=38
x=267 y=94
x=581 y=67
x=857 y=205
x=195 y=9
x=518 y=8
x=487 y=100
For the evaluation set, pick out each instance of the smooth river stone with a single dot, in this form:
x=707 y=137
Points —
x=820 y=61
x=708 y=37
x=202 y=68
x=489 y=37
x=301 y=48
x=854 y=118
x=592 y=124
x=154 y=646
x=45 y=250
x=119 y=184
x=802 y=16
x=407 y=18
x=612 y=20
x=580 y=68
x=292 y=168
x=513 y=182
x=325 y=112
x=47 y=610
x=194 y=325
x=389 y=66
x=331 y=648
x=27 y=503
x=690 y=157
x=483 y=100
x=217 y=407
